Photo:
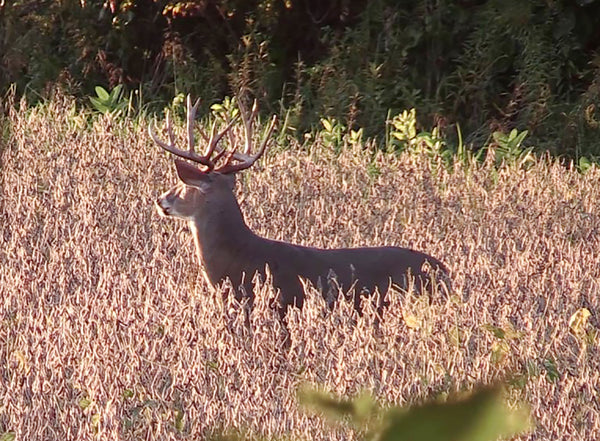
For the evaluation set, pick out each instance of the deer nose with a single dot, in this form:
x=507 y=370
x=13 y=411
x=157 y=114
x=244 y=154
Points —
x=160 y=207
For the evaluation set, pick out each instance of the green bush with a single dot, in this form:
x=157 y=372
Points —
x=490 y=66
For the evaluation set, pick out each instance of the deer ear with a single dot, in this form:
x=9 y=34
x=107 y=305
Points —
x=191 y=175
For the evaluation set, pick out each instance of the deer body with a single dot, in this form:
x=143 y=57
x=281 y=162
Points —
x=228 y=249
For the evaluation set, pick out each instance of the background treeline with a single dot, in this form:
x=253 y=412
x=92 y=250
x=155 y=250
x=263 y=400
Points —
x=481 y=66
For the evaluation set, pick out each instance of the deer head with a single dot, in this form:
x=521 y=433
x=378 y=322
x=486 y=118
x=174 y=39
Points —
x=213 y=181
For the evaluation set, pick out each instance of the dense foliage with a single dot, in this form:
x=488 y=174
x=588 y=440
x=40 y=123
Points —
x=485 y=65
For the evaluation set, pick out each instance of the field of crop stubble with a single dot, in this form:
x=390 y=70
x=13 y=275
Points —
x=108 y=332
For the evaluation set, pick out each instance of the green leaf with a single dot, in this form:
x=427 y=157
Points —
x=115 y=95
x=495 y=330
x=102 y=93
x=327 y=124
x=499 y=137
x=584 y=164
x=178 y=100
x=117 y=90
x=455 y=336
x=483 y=415
x=179 y=423
x=99 y=105
x=551 y=370
x=84 y=403
x=500 y=351
x=412 y=131
x=8 y=436
x=519 y=139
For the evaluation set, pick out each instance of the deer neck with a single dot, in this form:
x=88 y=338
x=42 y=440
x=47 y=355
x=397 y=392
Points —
x=220 y=235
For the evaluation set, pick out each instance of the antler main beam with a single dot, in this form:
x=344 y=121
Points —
x=244 y=160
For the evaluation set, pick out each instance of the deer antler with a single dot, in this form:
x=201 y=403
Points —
x=191 y=153
x=244 y=160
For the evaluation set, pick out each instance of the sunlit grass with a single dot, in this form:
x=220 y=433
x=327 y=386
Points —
x=108 y=330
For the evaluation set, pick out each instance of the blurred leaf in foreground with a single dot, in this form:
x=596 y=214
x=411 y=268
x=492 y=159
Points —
x=359 y=410
x=482 y=415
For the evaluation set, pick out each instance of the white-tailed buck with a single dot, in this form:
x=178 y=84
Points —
x=228 y=249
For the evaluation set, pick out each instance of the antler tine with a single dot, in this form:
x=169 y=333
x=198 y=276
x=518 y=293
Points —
x=191 y=118
x=215 y=139
x=248 y=124
x=229 y=134
x=245 y=160
x=245 y=122
x=170 y=147
x=211 y=145
x=263 y=145
x=169 y=127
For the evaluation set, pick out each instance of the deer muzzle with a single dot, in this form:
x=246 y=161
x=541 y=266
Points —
x=163 y=208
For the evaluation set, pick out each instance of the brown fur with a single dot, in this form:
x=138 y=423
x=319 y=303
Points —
x=228 y=249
